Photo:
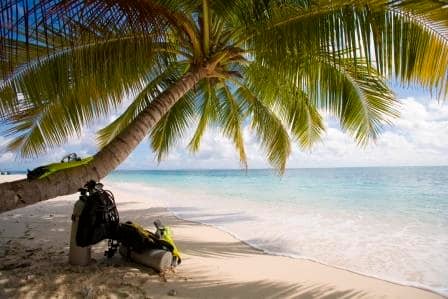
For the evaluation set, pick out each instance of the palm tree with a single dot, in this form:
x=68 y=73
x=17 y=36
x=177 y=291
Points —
x=274 y=65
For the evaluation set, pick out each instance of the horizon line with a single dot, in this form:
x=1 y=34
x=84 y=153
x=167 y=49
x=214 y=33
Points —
x=249 y=169
x=273 y=169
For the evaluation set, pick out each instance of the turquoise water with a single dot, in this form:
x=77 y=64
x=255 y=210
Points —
x=390 y=223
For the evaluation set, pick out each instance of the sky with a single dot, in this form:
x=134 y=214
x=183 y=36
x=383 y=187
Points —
x=419 y=137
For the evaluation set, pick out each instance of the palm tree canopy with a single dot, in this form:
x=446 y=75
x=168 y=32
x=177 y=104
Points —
x=276 y=65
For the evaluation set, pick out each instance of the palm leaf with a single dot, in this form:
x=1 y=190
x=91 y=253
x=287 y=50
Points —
x=208 y=112
x=358 y=96
x=172 y=126
x=35 y=129
x=396 y=38
x=284 y=95
x=354 y=93
x=414 y=49
x=269 y=129
x=78 y=87
x=158 y=81
x=42 y=28
x=303 y=118
x=230 y=119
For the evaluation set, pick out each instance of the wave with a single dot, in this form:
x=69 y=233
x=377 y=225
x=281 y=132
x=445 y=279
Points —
x=240 y=217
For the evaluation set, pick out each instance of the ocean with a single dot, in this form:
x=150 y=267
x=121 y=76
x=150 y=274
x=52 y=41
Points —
x=390 y=223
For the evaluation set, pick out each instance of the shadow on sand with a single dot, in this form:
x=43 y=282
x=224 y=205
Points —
x=34 y=264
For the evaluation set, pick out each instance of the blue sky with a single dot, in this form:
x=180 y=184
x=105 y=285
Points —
x=418 y=137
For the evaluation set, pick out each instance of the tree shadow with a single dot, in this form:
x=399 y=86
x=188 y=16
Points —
x=116 y=278
x=34 y=264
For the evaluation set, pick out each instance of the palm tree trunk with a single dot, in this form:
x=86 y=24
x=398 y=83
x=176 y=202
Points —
x=25 y=192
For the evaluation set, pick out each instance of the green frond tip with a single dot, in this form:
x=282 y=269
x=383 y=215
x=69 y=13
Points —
x=358 y=96
x=208 y=113
x=59 y=95
x=230 y=118
x=269 y=129
x=305 y=122
x=172 y=126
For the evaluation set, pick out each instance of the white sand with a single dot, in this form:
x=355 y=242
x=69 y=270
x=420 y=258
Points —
x=34 y=249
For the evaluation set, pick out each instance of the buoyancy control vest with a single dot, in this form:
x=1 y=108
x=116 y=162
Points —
x=99 y=218
x=138 y=239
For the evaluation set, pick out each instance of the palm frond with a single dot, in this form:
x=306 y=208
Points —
x=405 y=39
x=172 y=126
x=303 y=118
x=36 y=129
x=41 y=28
x=208 y=113
x=159 y=80
x=230 y=119
x=283 y=93
x=356 y=95
x=78 y=86
x=269 y=129
x=411 y=43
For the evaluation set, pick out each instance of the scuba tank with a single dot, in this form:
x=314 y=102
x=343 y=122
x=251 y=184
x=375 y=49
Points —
x=78 y=255
x=157 y=251
x=158 y=259
x=165 y=233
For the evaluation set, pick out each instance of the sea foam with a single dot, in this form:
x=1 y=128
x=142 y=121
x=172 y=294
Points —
x=386 y=223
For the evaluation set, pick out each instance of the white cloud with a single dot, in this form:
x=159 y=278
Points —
x=418 y=137
x=6 y=157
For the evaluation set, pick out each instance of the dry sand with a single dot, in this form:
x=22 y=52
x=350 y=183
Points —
x=34 y=250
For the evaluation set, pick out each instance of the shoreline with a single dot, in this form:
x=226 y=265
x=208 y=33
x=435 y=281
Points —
x=308 y=259
x=149 y=187
x=230 y=268
x=304 y=258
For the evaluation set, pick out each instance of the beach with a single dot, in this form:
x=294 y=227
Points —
x=34 y=251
